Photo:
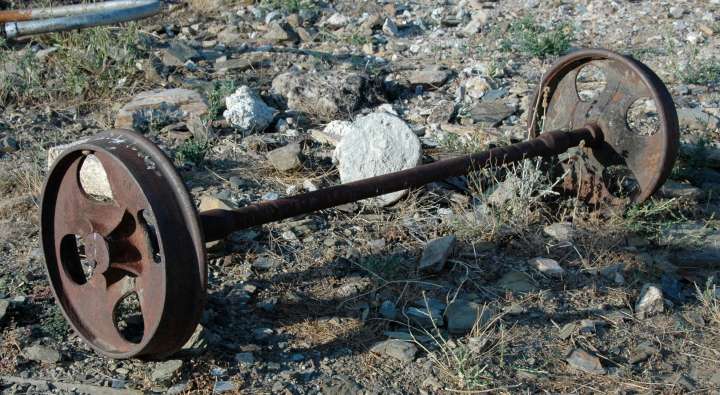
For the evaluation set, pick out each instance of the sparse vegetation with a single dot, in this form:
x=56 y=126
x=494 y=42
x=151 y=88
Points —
x=84 y=66
x=709 y=297
x=517 y=203
x=530 y=38
x=700 y=71
x=216 y=98
x=289 y=6
x=651 y=217
x=193 y=150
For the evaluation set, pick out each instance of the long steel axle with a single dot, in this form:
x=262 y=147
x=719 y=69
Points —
x=217 y=224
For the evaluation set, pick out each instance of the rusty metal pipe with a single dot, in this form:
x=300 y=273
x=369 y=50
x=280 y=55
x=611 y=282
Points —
x=29 y=22
x=217 y=224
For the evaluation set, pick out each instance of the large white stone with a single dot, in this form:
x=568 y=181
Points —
x=247 y=111
x=93 y=178
x=378 y=144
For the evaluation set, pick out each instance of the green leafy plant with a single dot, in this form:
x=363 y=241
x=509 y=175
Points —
x=530 y=38
x=193 y=151
x=700 y=72
x=216 y=98
x=288 y=6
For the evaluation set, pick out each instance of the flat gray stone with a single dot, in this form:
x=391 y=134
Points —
x=563 y=232
x=40 y=353
x=178 y=53
x=436 y=254
x=164 y=371
x=673 y=189
x=4 y=304
x=398 y=349
x=491 y=113
x=430 y=77
x=326 y=95
x=285 y=158
x=164 y=105
x=547 y=266
x=426 y=318
x=8 y=145
x=388 y=310
x=516 y=282
x=696 y=119
x=462 y=316
x=582 y=360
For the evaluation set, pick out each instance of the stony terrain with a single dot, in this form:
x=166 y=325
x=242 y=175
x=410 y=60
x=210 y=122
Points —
x=487 y=283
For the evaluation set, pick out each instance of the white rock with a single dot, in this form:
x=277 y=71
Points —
x=476 y=87
x=650 y=302
x=379 y=143
x=247 y=111
x=676 y=12
x=309 y=186
x=547 y=266
x=333 y=132
x=337 y=20
x=93 y=179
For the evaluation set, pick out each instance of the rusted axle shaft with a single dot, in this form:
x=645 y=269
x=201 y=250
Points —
x=217 y=224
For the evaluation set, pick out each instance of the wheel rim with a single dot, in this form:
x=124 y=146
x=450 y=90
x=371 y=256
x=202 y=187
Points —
x=557 y=105
x=144 y=244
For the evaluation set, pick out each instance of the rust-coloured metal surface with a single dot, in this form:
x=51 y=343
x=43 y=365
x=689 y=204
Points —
x=15 y=15
x=146 y=242
x=649 y=158
x=219 y=223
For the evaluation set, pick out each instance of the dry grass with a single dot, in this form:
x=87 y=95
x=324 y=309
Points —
x=490 y=219
x=709 y=298
x=461 y=363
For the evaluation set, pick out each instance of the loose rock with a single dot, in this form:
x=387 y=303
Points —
x=436 y=254
x=208 y=202
x=516 y=282
x=388 y=310
x=42 y=353
x=9 y=145
x=379 y=144
x=333 y=132
x=160 y=107
x=317 y=94
x=650 y=302
x=431 y=77
x=563 y=232
x=164 y=371
x=4 y=304
x=586 y=362
x=547 y=266
x=463 y=316
x=285 y=158
x=491 y=113
x=247 y=111
x=398 y=349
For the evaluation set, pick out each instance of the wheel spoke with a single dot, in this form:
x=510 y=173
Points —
x=98 y=299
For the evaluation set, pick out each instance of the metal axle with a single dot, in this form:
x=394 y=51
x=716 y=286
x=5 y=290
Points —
x=217 y=224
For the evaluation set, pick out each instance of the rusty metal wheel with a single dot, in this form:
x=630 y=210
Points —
x=645 y=153
x=128 y=270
